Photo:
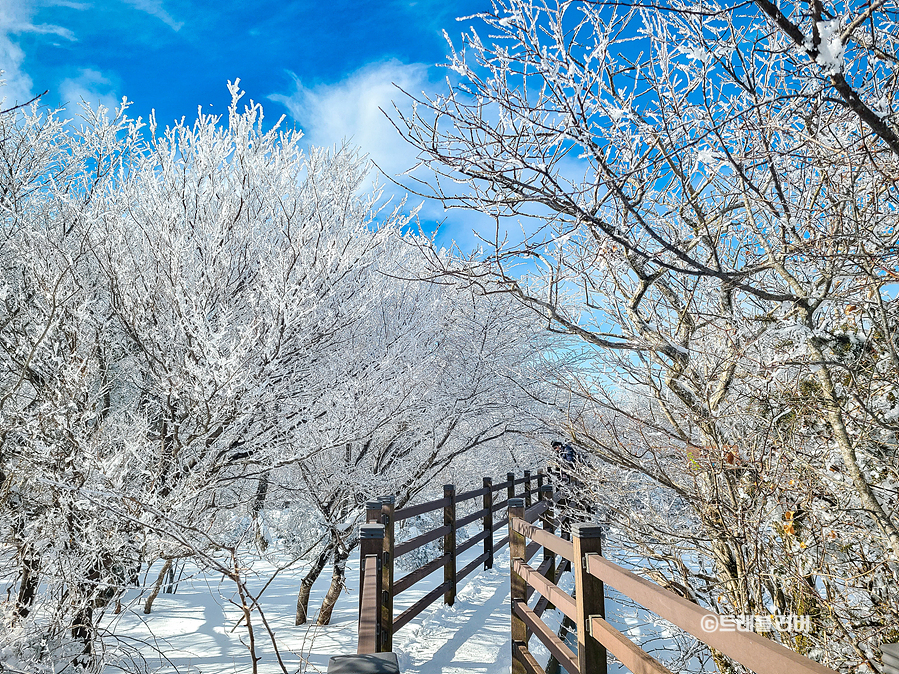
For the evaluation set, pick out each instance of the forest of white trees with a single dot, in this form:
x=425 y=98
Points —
x=694 y=277
x=708 y=206
x=200 y=320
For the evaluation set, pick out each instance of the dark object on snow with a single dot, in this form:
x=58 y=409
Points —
x=890 y=658
x=566 y=458
x=565 y=453
x=370 y=663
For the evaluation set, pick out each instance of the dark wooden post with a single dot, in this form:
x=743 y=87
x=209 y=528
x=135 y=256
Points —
x=387 y=507
x=540 y=477
x=510 y=490
x=527 y=489
x=517 y=545
x=449 y=544
x=488 y=522
x=589 y=598
x=373 y=512
x=371 y=540
x=372 y=516
x=546 y=494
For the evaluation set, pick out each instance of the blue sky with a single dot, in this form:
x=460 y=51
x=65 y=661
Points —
x=328 y=65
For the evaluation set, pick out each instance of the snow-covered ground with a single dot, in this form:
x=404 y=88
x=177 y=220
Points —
x=197 y=630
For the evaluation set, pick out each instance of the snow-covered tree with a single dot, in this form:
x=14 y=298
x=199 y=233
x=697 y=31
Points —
x=187 y=317
x=438 y=372
x=708 y=218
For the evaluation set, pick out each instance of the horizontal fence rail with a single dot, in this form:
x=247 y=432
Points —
x=370 y=544
x=586 y=609
x=535 y=525
x=752 y=650
x=376 y=605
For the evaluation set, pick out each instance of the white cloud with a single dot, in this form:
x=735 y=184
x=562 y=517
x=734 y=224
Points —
x=157 y=9
x=351 y=110
x=90 y=86
x=16 y=18
x=18 y=86
x=50 y=29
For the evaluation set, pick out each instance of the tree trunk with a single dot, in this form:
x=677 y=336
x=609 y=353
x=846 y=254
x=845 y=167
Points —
x=83 y=631
x=307 y=583
x=337 y=577
x=83 y=628
x=28 y=587
x=258 y=503
x=844 y=441
x=148 y=605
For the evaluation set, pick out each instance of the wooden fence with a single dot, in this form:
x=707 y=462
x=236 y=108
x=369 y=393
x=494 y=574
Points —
x=576 y=548
x=586 y=608
x=378 y=551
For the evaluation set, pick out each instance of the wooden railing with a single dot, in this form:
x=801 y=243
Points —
x=378 y=552
x=371 y=537
x=586 y=608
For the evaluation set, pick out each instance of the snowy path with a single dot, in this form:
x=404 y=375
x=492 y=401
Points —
x=197 y=630
x=197 y=633
x=470 y=636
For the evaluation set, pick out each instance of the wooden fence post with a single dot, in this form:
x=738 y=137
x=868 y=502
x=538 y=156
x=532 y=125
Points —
x=387 y=506
x=371 y=541
x=449 y=544
x=540 y=477
x=373 y=512
x=589 y=598
x=488 y=522
x=517 y=545
x=510 y=490
x=527 y=489
x=372 y=516
x=546 y=494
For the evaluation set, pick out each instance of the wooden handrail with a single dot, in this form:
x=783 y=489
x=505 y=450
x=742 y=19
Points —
x=628 y=653
x=752 y=650
x=418 y=606
x=474 y=493
x=468 y=519
x=413 y=543
x=381 y=512
x=532 y=513
x=420 y=573
x=543 y=569
x=420 y=509
x=471 y=566
x=547 y=540
x=543 y=603
x=520 y=652
x=499 y=505
x=546 y=588
x=368 y=611
x=553 y=643
x=471 y=542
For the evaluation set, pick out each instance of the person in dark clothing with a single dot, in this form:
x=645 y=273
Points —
x=565 y=459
